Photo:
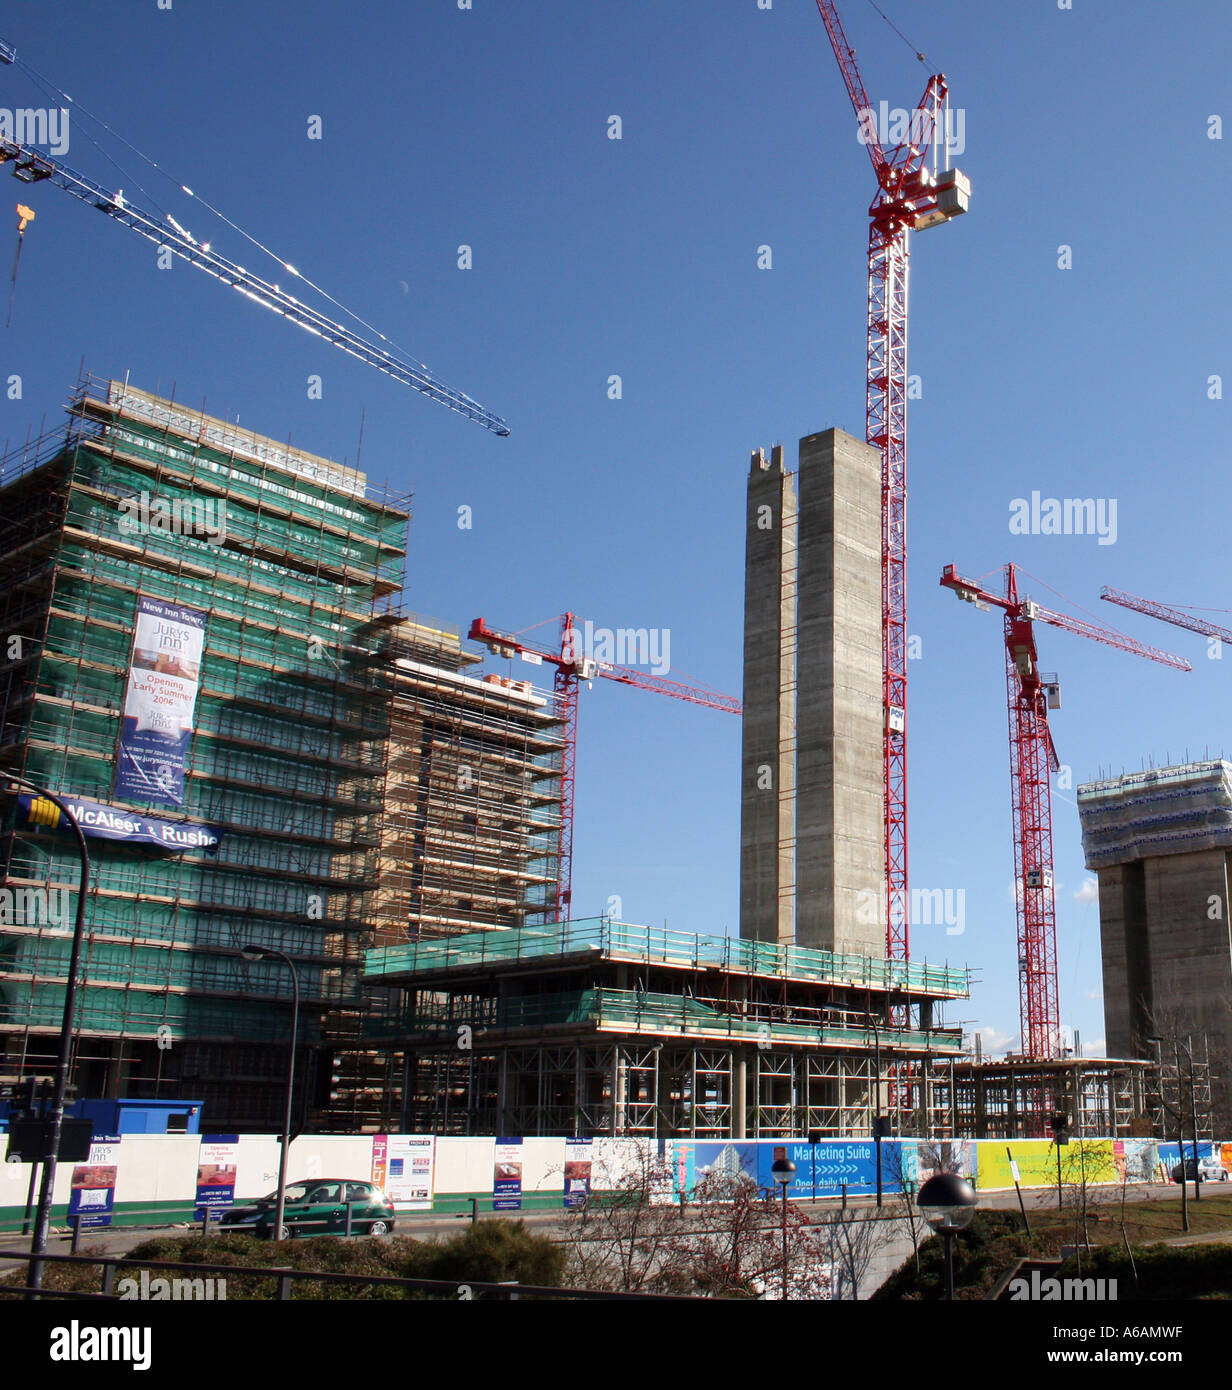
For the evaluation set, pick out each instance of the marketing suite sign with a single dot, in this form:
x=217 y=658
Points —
x=163 y=679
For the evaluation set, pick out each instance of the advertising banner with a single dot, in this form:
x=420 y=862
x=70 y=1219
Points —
x=163 y=677
x=578 y=1169
x=216 y=1165
x=113 y=823
x=380 y=1147
x=94 y=1182
x=408 y=1160
x=507 y=1175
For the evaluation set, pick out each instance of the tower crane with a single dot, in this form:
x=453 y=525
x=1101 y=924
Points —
x=910 y=197
x=1176 y=616
x=31 y=167
x=572 y=666
x=1033 y=758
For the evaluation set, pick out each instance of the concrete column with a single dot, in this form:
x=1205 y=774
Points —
x=767 y=787
x=840 y=842
x=740 y=1093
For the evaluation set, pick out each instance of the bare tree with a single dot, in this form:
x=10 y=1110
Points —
x=745 y=1245
x=902 y=1207
x=624 y=1239
x=855 y=1236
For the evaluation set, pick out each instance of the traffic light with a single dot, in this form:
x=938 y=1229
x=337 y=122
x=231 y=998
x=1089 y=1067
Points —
x=1060 y=1127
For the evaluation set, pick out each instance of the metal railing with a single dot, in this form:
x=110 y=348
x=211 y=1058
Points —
x=443 y=1288
x=659 y=945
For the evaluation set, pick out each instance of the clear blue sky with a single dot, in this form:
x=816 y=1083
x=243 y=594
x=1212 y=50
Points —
x=1086 y=128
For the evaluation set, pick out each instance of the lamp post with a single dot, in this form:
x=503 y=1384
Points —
x=878 y=1124
x=947 y=1203
x=51 y=1135
x=270 y=953
x=783 y=1170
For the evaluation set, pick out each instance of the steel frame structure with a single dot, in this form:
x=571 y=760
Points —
x=1033 y=758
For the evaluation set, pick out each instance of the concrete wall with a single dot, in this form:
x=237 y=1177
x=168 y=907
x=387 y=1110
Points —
x=1167 y=959
x=767 y=778
x=840 y=873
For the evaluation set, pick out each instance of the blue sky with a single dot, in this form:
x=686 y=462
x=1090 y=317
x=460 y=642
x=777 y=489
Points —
x=1085 y=128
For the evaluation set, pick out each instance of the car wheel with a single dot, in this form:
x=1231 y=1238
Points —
x=378 y=1228
x=284 y=1232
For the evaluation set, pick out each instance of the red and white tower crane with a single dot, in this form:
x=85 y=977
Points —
x=1033 y=759
x=910 y=196
x=573 y=665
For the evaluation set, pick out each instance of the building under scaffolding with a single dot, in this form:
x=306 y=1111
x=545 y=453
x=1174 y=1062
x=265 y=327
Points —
x=286 y=755
x=602 y=1027
x=471 y=830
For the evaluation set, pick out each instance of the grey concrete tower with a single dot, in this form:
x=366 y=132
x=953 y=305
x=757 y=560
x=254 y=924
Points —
x=1161 y=844
x=768 y=778
x=840 y=868
x=812 y=871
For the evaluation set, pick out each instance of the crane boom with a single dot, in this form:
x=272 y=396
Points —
x=1175 y=616
x=31 y=167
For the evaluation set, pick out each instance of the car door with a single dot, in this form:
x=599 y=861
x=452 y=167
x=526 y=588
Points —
x=364 y=1208
x=325 y=1211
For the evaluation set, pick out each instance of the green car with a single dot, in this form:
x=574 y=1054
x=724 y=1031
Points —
x=317 y=1207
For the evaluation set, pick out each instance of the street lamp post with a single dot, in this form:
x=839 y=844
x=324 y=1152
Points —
x=877 y=1119
x=948 y=1203
x=51 y=1135
x=783 y=1170
x=270 y=953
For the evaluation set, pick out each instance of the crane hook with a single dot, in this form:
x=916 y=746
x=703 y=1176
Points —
x=25 y=216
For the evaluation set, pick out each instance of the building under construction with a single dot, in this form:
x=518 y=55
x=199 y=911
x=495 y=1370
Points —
x=603 y=1027
x=343 y=782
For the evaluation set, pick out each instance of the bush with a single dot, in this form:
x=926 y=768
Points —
x=1164 y=1272
x=492 y=1251
x=982 y=1253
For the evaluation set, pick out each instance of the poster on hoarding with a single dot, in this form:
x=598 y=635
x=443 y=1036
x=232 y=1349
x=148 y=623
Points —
x=578 y=1168
x=94 y=1182
x=217 y=1160
x=402 y=1166
x=507 y=1175
x=163 y=677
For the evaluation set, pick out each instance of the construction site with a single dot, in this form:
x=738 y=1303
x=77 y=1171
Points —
x=348 y=790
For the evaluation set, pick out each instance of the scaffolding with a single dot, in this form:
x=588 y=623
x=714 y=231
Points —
x=1014 y=1098
x=286 y=756
x=603 y=1027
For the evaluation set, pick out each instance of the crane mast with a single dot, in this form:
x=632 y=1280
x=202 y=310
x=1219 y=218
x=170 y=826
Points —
x=909 y=197
x=1033 y=758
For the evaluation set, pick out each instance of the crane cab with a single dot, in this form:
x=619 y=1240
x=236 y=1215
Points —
x=951 y=193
